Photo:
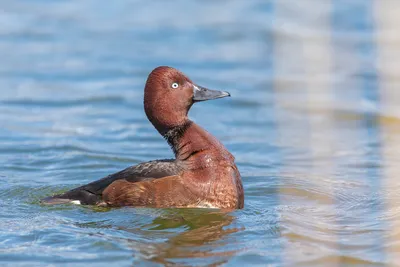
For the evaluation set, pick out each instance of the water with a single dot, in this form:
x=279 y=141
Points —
x=314 y=124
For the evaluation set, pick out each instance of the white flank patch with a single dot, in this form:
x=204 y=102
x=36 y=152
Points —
x=206 y=205
x=76 y=202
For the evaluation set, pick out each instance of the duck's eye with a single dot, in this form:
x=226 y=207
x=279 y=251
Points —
x=175 y=85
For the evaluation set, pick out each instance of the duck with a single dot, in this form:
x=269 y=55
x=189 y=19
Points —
x=203 y=173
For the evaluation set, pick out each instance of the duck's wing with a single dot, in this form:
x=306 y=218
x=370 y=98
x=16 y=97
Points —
x=170 y=191
x=91 y=193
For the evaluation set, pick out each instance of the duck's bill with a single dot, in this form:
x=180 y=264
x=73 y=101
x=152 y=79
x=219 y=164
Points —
x=202 y=94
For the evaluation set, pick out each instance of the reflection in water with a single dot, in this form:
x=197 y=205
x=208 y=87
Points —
x=203 y=239
x=190 y=236
x=336 y=95
x=309 y=58
x=388 y=62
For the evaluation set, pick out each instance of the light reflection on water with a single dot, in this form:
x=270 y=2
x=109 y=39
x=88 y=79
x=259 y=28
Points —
x=313 y=124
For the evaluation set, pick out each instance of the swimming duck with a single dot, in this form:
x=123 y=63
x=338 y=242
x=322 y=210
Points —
x=203 y=173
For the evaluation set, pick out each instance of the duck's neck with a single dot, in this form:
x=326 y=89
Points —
x=174 y=136
x=189 y=142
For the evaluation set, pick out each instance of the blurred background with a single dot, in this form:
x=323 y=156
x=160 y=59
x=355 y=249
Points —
x=314 y=124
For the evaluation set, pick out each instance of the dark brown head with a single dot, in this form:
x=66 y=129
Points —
x=168 y=96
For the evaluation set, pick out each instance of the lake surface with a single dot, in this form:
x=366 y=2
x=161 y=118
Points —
x=313 y=121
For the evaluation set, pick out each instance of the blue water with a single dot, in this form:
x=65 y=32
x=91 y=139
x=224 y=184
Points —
x=313 y=122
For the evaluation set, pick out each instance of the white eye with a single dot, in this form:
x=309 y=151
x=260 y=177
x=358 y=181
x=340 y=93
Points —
x=175 y=85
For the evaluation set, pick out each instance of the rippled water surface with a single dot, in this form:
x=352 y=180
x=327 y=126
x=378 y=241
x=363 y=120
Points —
x=314 y=124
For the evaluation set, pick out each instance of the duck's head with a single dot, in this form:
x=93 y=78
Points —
x=168 y=96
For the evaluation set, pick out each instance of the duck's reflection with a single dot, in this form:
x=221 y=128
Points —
x=190 y=235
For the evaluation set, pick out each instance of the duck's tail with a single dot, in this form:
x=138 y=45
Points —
x=89 y=194
x=78 y=196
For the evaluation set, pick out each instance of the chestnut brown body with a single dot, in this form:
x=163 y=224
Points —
x=202 y=175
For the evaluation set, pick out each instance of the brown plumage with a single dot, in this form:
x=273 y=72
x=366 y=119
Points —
x=203 y=174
